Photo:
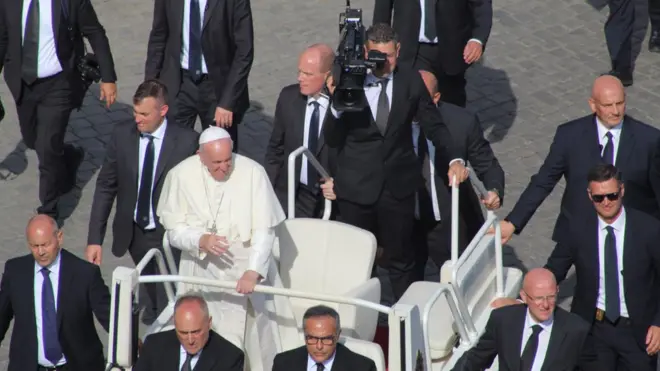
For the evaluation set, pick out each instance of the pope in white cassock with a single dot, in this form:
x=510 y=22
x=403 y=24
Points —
x=220 y=209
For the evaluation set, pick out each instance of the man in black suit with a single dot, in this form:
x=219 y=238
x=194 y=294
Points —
x=618 y=36
x=322 y=352
x=534 y=336
x=138 y=157
x=432 y=228
x=654 y=17
x=377 y=171
x=203 y=50
x=192 y=345
x=52 y=295
x=40 y=54
x=617 y=260
x=441 y=36
x=607 y=136
x=300 y=114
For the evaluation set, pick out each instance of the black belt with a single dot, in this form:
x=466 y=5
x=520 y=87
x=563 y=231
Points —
x=601 y=317
x=191 y=75
x=56 y=368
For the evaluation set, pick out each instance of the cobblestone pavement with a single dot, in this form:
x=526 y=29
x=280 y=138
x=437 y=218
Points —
x=540 y=62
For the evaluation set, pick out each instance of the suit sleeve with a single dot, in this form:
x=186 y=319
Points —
x=654 y=253
x=654 y=170
x=99 y=298
x=243 y=39
x=383 y=11
x=482 y=16
x=275 y=150
x=92 y=29
x=481 y=356
x=157 y=41
x=277 y=363
x=4 y=33
x=432 y=124
x=483 y=161
x=541 y=184
x=104 y=194
x=6 y=309
x=146 y=355
x=561 y=259
x=237 y=364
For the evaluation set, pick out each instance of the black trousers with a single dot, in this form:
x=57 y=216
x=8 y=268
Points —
x=142 y=242
x=198 y=99
x=451 y=86
x=309 y=204
x=618 y=33
x=617 y=349
x=43 y=115
x=654 y=14
x=391 y=220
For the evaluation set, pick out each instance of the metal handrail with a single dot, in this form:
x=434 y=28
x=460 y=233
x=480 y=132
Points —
x=291 y=188
x=160 y=261
x=231 y=285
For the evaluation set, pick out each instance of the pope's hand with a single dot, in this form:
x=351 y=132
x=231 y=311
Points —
x=247 y=282
x=212 y=244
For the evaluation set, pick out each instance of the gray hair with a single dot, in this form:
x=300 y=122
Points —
x=193 y=298
x=321 y=311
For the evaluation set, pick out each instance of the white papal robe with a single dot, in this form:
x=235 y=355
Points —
x=244 y=209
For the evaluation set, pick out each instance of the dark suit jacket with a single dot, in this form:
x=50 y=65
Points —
x=161 y=352
x=641 y=268
x=465 y=128
x=367 y=160
x=227 y=45
x=568 y=346
x=296 y=359
x=287 y=136
x=573 y=152
x=81 y=293
x=457 y=22
x=118 y=179
x=83 y=20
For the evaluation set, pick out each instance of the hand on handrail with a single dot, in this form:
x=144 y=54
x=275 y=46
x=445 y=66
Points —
x=328 y=188
x=491 y=201
x=506 y=228
x=458 y=170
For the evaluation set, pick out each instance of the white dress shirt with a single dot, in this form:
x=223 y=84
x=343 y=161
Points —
x=422 y=36
x=602 y=137
x=182 y=358
x=416 y=130
x=158 y=135
x=54 y=276
x=327 y=365
x=185 y=33
x=619 y=227
x=49 y=64
x=324 y=102
x=544 y=339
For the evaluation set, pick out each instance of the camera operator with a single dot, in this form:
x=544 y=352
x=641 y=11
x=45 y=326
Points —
x=44 y=66
x=377 y=171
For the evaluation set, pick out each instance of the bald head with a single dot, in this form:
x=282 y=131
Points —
x=539 y=277
x=44 y=239
x=608 y=100
x=314 y=67
x=321 y=54
x=192 y=322
x=539 y=292
x=431 y=83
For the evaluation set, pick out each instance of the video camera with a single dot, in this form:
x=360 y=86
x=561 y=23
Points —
x=350 y=67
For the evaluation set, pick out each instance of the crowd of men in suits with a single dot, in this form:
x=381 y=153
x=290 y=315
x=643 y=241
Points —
x=391 y=167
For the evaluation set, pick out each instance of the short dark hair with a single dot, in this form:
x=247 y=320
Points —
x=151 y=88
x=382 y=33
x=602 y=173
x=321 y=311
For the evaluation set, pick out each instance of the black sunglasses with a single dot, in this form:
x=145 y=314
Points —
x=610 y=196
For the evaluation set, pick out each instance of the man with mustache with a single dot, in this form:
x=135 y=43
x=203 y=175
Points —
x=606 y=136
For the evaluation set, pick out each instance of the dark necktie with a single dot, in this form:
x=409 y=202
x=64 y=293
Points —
x=608 y=153
x=52 y=347
x=30 y=62
x=312 y=143
x=195 y=41
x=320 y=367
x=612 y=299
x=529 y=353
x=146 y=184
x=383 y=110
x=187 y=364
x=430 y=29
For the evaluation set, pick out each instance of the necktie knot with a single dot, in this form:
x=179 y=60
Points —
x=147 y=136
x=187 y=364
x=609 y=135
x=383 y=83
x=536 y=329
x=609 y=229
x=314 y=103
x=45 y=272
x=319 y=366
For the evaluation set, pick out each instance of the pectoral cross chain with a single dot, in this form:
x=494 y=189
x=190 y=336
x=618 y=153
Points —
x=213 y=229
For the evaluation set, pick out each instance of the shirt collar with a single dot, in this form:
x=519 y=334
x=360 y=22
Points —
x=618 y=224
x=326 y=365
x=603 y=130
x=184 y=354
x=160 y=132
x=372 y=80
x=530 y=321
x=53 y=267
x=322 y=100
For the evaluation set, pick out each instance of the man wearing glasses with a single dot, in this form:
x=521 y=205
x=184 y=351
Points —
x=616 y=257
x=322 y=352
x=536 y=336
